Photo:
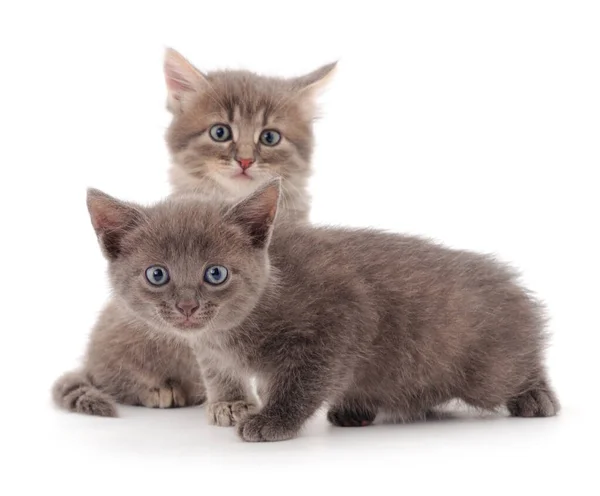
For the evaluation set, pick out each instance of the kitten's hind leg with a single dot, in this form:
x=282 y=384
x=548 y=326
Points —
x=74 y=391
x=351 y=413
x=538 y=401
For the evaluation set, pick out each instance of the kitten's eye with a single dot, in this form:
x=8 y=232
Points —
x=270 y=137
x=157 y=275
x=215 y=275
x=220 y=132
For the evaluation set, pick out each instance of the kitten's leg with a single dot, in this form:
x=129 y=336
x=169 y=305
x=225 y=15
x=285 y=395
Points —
x=178 y=391
x=534 y=398
x=538 y=401
x=194 y=390
x=168 y=395
x=228 y=397
x=351 y=412
x=295 y=393
x=141 y=388
x=75 y=392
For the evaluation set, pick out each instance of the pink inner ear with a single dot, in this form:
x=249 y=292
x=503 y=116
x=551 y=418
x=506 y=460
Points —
x=176 y=82
x=106 y=216
x=103 y=221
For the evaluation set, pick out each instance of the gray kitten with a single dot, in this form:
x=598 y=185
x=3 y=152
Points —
x=231 y=131
x=365 y=321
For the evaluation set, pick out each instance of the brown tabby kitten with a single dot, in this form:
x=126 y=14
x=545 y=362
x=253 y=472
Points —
x=363 y=320
x=234 y=130
x=231 y=131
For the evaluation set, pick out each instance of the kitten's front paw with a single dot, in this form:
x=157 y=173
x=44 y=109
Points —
x=258 y=428
x=228 y=413
x=170 y=396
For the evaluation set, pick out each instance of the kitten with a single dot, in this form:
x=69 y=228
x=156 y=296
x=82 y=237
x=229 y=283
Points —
x=231 y=131
x=363 y=320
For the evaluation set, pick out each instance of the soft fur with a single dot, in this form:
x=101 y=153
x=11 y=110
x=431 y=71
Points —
x=127 y=363
x=123 y=361
x=248 y=104
x=365 y=321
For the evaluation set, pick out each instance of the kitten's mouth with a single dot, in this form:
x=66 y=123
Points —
x=243 y=176
x=191 y=323
x=194 y=323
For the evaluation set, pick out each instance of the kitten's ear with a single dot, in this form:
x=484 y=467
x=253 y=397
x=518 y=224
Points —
x=111 y=219
x=182 y=78
x=311 y=85
x=256 y=213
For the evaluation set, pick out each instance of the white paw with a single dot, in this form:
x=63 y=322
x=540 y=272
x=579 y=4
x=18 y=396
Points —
x=228 y=413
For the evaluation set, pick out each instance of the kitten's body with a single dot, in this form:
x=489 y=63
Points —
x=370 y=323
x=123 y=360
x=363 y=320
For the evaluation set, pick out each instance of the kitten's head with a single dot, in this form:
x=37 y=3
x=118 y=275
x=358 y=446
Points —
x=234 y=130
x=185 y=264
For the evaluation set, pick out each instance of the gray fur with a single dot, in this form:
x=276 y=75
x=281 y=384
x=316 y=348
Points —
x=124 y=360
x=363 y=320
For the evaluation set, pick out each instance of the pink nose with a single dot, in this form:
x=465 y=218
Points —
x=245 y=162
x=187 y=307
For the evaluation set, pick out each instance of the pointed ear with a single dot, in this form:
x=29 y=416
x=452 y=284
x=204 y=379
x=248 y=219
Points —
x=111 y=219
x=311 y=85
x=182 y=78
x=256 y=213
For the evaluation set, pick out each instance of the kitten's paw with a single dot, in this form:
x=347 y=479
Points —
x=351 y=417
x=228 y=413
x=258 y=428
x=170 y=396
x=539 y=402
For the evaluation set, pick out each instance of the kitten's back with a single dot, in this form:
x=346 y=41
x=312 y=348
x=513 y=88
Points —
x=434 y=304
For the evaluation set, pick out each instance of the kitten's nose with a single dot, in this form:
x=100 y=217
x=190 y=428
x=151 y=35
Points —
x=187 y=307
x=245 y=162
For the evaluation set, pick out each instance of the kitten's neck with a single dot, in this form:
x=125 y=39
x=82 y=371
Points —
x=183 y=182
x=294 y=203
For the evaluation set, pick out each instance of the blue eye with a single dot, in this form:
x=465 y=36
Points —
x=220 y=132
x=215 y=275
x=157 y=275
x=270 y=137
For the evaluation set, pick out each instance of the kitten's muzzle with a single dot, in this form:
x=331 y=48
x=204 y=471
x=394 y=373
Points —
x=187 y=307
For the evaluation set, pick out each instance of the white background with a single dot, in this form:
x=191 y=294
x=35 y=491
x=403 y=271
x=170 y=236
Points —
x=476 y=123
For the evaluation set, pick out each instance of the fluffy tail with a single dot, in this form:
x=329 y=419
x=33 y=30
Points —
x=74 y=392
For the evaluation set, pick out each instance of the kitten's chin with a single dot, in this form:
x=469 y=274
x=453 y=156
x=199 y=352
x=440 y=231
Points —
x=184 y=327
x=188 y=326
x=237 y=185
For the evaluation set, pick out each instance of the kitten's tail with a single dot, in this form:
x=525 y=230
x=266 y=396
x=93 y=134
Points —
x=73 y=391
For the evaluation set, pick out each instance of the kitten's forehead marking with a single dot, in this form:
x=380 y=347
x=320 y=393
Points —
x=237 y=114
x=255 y=123
x=237 y=124
x=260 y=121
